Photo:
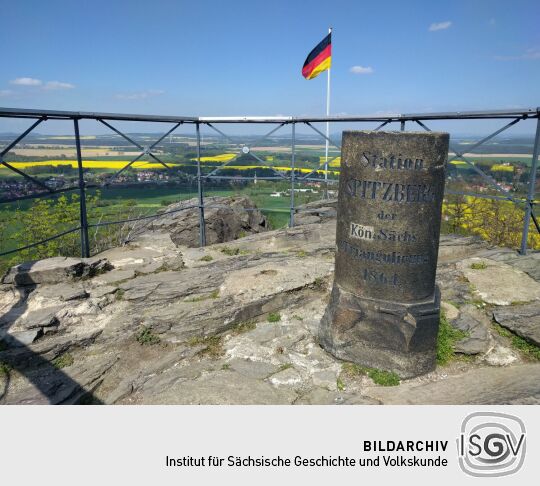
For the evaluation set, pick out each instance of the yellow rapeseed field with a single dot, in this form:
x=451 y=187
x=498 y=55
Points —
x=502 y=168
x=88 y=164
x=217 y=158
x=303 y=170
x=332 y=162
x=118 y=164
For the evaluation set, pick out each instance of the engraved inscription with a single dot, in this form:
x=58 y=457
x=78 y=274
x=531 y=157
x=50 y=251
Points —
x=390 y=191
x=385 y=216
x=380 y=278
x=369 y=233
x=393 y=258
x=362 y=232
x=393 y=162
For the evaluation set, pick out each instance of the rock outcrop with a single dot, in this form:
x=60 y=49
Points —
x=316 y=212
x=226 y=218
x=54 y=270
x=236 y=323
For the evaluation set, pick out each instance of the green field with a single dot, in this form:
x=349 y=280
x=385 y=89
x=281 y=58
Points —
x=150 y=199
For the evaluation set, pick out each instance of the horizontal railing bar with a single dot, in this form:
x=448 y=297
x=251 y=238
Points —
x=263 y=178
x=284 y=209
x=157 y=215
x=242 y=178
x=211 y=206
x=15 y=112
x=66 y=115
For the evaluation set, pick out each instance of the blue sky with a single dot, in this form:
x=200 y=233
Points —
x=245 y=57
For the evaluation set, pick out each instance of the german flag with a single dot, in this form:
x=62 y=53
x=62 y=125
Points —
x=319 y=59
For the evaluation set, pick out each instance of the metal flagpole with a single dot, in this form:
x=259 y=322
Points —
x=327 y=130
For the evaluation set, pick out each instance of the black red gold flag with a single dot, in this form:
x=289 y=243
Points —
x=319 y=59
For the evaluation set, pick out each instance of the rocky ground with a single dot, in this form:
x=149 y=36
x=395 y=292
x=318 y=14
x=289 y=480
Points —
x=158 y=322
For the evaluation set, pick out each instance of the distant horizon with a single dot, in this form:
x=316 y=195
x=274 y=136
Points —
x=211 y=134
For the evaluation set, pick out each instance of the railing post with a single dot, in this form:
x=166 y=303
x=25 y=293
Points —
x=202 y=225
x=402 y=125
x=530 y=194
x=293 y=159
x=85 y=243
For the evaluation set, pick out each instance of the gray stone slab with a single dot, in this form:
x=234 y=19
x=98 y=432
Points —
x=475 y=323
x=524 y=320
x=40 y=318
x=54 y=270
x=325 y=379
x=222 y=388
x=21 y=338
x=253 y=369
x=499 y=283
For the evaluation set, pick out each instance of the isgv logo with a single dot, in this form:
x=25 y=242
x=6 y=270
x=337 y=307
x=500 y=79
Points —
x=491 y=444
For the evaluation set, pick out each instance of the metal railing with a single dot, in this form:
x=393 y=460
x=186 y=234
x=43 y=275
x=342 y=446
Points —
x=293 y=176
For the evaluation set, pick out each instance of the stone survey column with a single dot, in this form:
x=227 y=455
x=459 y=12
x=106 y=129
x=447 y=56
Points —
x=384 y=308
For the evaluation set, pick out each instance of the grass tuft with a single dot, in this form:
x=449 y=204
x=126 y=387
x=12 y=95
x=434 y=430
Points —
x=213 y=295
x=147 y=337
x=4 y=368
x=518 y=302
x=213 y=346
x=274 y=317
x=206 y=258
x=227 y=250
x=446 y=340
x=319 y=284
x=244 y=327
x=479 y=266
x=380 y=377
x=530 y=350
x=63 y=361
x=284 y=366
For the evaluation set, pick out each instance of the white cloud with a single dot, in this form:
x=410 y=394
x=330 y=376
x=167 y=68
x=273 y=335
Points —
x=439 y=26
x=530 y=54
x=58 y=85
x=362 y=70
x=27 y=82
x=140 y=95
x=6 y=92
